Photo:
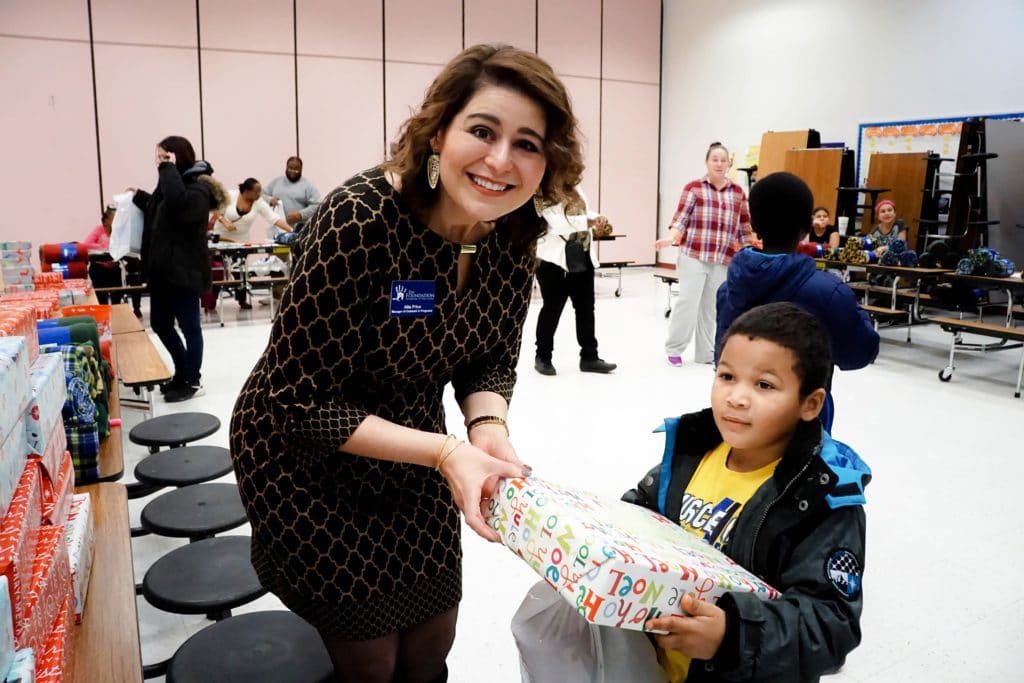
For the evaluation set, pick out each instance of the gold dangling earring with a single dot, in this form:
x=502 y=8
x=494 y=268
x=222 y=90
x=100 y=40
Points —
x=433 y=170
x=538 y=204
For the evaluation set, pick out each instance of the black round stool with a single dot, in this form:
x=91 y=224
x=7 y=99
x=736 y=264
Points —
x=171 y=431
x=261 y=647
x=194 y=512
x=209 y=577
x=184 y=466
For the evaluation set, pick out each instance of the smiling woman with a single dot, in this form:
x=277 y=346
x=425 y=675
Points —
x=409 y=276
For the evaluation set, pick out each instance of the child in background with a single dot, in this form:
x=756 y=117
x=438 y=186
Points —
x=888 y=228
x=758 y=477
x=823 y=232
x=779 y=209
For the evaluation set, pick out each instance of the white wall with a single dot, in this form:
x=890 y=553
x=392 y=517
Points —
x=733 y=70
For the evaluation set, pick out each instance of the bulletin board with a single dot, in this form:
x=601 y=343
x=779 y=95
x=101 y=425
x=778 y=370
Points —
x=941 y=136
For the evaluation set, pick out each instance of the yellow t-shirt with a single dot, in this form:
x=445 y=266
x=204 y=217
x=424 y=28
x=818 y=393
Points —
x=711 y=505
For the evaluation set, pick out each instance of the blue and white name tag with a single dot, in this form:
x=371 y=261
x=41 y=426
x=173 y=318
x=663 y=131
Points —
x=412 y=297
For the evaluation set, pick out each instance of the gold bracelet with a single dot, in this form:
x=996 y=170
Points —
x=487 y=420
x=440 y=451
x=444 y=457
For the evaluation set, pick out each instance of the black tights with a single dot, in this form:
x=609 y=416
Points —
x=415 y=655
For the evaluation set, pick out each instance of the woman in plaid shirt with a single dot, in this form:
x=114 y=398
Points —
x=711 y=224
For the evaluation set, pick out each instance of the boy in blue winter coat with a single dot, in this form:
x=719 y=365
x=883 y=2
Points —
x=780 y=213
x=758 y=477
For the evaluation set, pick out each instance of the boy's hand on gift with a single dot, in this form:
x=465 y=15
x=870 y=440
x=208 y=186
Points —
x=698 y=635
x=473 y=477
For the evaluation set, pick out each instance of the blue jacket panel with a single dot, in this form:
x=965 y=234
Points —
x=755 y=278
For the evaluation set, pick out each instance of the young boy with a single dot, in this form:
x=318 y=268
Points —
x=758 y=477
x=780 y=213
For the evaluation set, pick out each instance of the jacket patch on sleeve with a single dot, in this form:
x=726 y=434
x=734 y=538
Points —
x=843 y=571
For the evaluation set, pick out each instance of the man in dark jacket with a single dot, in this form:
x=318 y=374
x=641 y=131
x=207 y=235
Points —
x=780 y=213
x=757 y=477
x=176 y=258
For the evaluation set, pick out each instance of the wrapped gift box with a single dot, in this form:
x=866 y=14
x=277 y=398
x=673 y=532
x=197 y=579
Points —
x=23 y=668
x=50 y=588
x=48 y=394
x=19 y=535
x=56 y=659
x=17 y=319
x=57 y=494
x=6 y=627
x=80 y=538
x=618 y=564
x=11 y=258
x=12 y=464
x=14 y=382
x=56 y=446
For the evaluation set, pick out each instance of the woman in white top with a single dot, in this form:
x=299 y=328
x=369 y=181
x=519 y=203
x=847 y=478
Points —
x=567 y=256
x=235 y=223
x=246 y=203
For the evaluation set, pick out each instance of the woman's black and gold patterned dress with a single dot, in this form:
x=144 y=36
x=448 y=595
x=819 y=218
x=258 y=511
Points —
x=362 y=547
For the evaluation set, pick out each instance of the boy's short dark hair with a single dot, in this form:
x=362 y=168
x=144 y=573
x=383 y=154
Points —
x=793 y=328
x=780 y=210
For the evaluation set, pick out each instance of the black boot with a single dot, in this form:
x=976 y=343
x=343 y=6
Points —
x=596 y=365
x=544 y=367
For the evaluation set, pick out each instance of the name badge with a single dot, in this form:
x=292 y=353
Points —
x=412 y=297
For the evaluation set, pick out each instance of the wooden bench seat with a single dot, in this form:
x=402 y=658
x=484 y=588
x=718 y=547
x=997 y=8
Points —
x=1001 y=332
x=669 y=278
x=884 y=313
x=106 y=643
x=975 y=327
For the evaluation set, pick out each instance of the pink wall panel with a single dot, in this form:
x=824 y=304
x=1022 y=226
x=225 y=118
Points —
x=632 y=40
x=569 y=36
x=585 y=94
x=266 y=26
x=49 y=143
x=132 y=121
x=629 y=169
x=501 y=21
x=340 y=28
x=339 y=136
x=145 y=22
x=249 y=123
x=422 y=32
x=68 y=19
x=405 y=86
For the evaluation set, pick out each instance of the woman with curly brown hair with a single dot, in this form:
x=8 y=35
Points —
x=409 y=276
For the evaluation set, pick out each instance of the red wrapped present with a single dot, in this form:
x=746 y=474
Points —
x=57 y=493
x=50 y=588
x=55 y=660
x=19 y=536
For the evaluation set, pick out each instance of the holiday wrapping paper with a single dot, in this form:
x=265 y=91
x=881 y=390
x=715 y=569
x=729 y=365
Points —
x=57 y=491
x=23 y=668
x=12 y=463
x=17 y=319
x=14 y=383
x=50 y=587
x=48 y=394
x=52 y=456
x=19 y=536
x=618 y=564
x=80 y=538
x=6 y=627
x=10 y=258
x=56 y=659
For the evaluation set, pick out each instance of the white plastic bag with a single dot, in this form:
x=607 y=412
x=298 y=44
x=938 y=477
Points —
x=557 y=645
x=126 y=231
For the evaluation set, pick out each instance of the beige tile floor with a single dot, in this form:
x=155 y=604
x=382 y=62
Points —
x=944 y=600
